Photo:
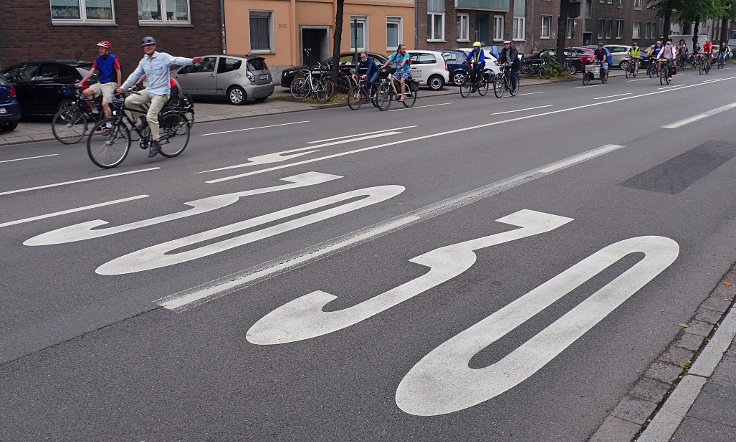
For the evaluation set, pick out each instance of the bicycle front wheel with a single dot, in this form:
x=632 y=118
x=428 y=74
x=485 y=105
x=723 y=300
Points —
x=384 y=96
x=325 y=89
x=465 y=87
x=409 y=98
x=499 y=86
x=514 y=90
x=69 y=125
x=108 y=147
x=174 y=134
x=483 y=87
x=300 y=87
x=355 y=97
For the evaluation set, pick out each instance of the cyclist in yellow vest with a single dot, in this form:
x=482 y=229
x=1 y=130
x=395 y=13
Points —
x=635 y=57
x=478 y=59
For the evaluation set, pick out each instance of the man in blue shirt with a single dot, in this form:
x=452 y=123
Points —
x=367 y=70
x=603 y=55
x=400 y=59
x=478 y=59
x=155 y=66
x=107 y=67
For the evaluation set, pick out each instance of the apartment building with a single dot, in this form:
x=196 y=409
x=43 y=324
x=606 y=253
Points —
x=289 y=32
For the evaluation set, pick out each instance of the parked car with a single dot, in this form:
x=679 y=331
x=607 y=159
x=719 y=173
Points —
x=619 y=54
x=456 y=66
x=9 y=106
x=587 y=55
x=571 y=57
x=347 y=63
x=428 y=68
x=490 y=59
x=239 y=79
x=40 y=84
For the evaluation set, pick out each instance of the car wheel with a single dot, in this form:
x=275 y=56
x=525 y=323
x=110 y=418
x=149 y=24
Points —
x=572 y=69
x=436 y=82
x=458 y=78
x=8 y=127
x=236 y=95
x=624 y=65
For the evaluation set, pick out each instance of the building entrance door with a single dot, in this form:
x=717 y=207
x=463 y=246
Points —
x=315 y=45
x=482 y=27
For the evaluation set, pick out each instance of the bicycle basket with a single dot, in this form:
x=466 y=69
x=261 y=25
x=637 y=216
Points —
x=593 y=69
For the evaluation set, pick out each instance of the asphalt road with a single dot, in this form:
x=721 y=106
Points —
x=470 y=269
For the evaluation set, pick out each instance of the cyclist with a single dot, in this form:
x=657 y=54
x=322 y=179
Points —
x=109 y=75
x=367 y=70
x=707 y=52
x=682 y=53
x=603 y=55
x=400 y=59
x=635 y=57
x=669 y=55
x=155 y=65
x=654 y=51
x=724 y=51
x=478 y=58
x=510 y=57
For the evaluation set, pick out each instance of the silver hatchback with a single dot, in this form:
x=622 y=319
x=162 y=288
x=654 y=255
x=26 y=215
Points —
x=237 y=78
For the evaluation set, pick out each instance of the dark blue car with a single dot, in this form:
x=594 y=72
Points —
x=455 y=59
x=9 y=107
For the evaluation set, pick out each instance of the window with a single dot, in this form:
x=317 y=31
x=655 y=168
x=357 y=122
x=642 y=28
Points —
x=393 y=32
x=546 y=26
x=637 y=4
x=620 y=3
x=498 y=27
x=519 y=28
x=98 y=11
x=463 y=31
x=619 y=28
x=519 y=8
x=261 y=31
x=57 y=72
x=422 y=58
x=648 y=30
x=435 y=20
x=361 y=23
x=228 y=65
x=588 y=8
x=637 y=30
x=609 y=28
x=570 y=29
x=654 y=31
x=601 y=28
x=163 y=11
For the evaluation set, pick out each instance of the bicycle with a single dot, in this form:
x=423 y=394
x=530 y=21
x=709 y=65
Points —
x=704 y=65
x=592 y=72
x=70 y=123
x=632 y=68
x=665 y=73
x=318 y=83
x=360 y=92
x=652 y=69
x=721 y=61
x=108 y=147
x=502 y=82
x=388 y=90
x=480 y=85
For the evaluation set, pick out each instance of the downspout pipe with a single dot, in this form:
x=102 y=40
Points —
x=222 y=26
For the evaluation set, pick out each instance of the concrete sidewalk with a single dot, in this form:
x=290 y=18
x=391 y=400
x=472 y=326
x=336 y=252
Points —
x=39 y=128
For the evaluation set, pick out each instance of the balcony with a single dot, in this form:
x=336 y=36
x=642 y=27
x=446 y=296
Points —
x=485 y=5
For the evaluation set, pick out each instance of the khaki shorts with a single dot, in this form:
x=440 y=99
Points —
x=107 y=90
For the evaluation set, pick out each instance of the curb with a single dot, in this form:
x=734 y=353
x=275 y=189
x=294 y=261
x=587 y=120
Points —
x=661 y=397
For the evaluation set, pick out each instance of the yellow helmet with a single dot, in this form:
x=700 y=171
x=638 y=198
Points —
x=477 y=44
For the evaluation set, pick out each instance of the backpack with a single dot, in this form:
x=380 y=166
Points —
x=609 y=57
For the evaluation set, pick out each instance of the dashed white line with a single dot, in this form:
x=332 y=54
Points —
x=590 y=85
x=65 y=212
x=46 y=186
x=419 y=107
x=359 y=135
x=699 y=117
x=612 y=96
x=531 y=93
x=29 y=158
x=254 y=128
x=521 y=110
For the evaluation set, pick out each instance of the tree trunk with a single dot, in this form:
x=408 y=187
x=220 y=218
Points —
x=562 y=30
x=696 y=29
x=667 y=22
x=724 y=30
x=337 y=37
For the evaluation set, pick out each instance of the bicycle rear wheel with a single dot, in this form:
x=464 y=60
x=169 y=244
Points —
x=108 y=148
x=355 y=97
x=174 y=134
x=515 y=90
x=409 y=98
x=300 y=87
x=499 y=85
x=465 y=87
x=384 y=96
x=69 y=125
x=325 y=88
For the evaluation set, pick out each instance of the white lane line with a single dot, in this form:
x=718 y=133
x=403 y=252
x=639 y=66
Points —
x=590 y=85
x=531 y=93
x=454 y=131
x=698 y=117
x=29 y=158
x=358 y=135
x=419 y=107
x=222 y=286
x=612 y=96
x=521 y=110
x=638 y=79
x=83 y=180
x=65 y=212
x=254 y=128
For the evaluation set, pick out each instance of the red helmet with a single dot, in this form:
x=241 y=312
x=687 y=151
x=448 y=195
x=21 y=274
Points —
x=105 y=44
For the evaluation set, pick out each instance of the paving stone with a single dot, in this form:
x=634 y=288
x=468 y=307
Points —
x=21 y=139
x=699 y=328
x=615 y=430
x=725 y=373
x=675 y=355
x=663 y=372
x=690 y=341
x=634 y=410
x=716 y=303
x=732 y=350
x=649 y=390
x=716 y=403
x=724 y=292
x=698 y=430
x=708 y=315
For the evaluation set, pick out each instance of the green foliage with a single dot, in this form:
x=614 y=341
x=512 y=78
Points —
x=551 y=67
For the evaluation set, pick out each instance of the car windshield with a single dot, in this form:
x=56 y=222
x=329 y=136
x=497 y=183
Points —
x=257 y=64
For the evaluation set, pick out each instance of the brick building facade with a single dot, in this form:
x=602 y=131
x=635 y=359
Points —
x=181 y=27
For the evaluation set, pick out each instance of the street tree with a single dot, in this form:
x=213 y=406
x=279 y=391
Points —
x=562 y=30
x=337 y=37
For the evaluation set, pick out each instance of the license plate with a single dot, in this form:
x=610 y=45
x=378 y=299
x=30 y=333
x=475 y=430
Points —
x=3 y=110
x=263 y=77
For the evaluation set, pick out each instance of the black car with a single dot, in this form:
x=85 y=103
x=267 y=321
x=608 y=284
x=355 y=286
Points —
x=346 y=63
x=571 y=56
x=40 y=84
x=9 y=107
x=455 y=59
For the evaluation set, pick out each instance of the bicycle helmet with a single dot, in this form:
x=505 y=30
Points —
x=477 y=44
x=105 y=44
x=148 y=41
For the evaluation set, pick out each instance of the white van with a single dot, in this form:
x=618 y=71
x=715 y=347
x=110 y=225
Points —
x=702 y=38
x=429 y=68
